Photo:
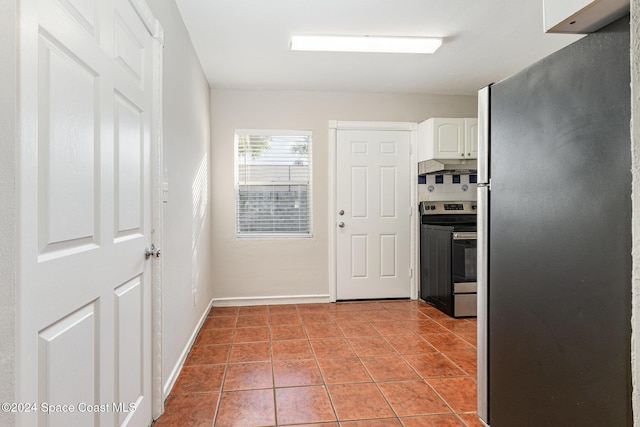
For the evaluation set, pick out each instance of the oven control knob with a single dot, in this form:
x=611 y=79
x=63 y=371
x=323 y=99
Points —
x=433 y=207
x=473 y=207
x=427 y=207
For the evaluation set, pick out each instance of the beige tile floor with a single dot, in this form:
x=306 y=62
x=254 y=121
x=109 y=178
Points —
x=351 y=364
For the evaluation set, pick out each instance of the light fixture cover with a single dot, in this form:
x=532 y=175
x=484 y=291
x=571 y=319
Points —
x=377 y=44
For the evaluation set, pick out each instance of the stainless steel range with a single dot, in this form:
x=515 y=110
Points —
x=448 y=249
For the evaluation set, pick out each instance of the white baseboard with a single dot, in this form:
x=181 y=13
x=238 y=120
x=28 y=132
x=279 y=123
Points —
x=183 y=356
x=271 y=300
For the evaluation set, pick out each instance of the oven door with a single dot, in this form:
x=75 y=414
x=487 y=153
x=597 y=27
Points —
x=464 y=268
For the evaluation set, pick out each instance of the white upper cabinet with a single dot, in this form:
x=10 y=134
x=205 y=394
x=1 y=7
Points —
x=448 y=138
x=581 y=16
x=471 y=138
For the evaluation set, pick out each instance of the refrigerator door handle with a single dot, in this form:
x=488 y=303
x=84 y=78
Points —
x=484 y=99
x=483 y=303
x=484 y=186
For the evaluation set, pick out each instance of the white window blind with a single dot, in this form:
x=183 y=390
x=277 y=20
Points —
x=273 y=183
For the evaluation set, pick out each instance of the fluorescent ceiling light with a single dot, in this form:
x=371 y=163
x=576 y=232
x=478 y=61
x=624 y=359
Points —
x=366 y=44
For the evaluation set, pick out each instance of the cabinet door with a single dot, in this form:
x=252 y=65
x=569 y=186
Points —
x=470 y=139
x=448 y=137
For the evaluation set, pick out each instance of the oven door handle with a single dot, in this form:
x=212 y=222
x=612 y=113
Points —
x=470 y=235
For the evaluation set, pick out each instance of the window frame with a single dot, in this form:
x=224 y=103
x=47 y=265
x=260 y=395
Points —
x=237 y=185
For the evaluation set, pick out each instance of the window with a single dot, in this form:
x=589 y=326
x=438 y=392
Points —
x=273 y=183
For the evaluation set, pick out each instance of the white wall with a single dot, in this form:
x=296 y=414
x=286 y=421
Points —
x=7 y=205
x=247 y=268
x=186 y=252
x=635 y=230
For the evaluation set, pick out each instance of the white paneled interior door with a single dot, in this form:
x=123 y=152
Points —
x=374 y=214
x=84 y=311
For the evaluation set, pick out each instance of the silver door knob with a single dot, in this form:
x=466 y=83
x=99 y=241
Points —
x=341 y=224
x=151 y=251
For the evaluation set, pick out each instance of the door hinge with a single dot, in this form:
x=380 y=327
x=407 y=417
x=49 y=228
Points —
x=410 y=272
x=410 y=149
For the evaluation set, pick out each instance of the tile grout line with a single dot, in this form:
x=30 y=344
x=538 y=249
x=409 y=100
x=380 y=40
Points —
x=325 y=386
x=425 y=381
x=226 y=369
x=378 y=385
x=273 y=373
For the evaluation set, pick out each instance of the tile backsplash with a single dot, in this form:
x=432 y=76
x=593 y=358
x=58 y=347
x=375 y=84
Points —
x=447 y=187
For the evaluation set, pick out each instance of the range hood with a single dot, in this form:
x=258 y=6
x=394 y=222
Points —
x=447 y=166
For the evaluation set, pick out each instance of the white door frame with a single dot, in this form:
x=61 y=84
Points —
x=157 y=172
x=334 y=127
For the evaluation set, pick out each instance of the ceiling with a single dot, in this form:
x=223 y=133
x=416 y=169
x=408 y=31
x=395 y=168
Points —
x=245 y=43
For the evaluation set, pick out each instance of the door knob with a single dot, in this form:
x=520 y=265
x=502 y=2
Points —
x=341 y=212
x=151 y=251
x=341 y=224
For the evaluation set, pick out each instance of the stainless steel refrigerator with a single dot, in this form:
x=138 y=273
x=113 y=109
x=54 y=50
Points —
x=554 y=239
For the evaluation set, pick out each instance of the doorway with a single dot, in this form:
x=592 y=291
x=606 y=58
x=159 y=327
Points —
x=372 y=210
